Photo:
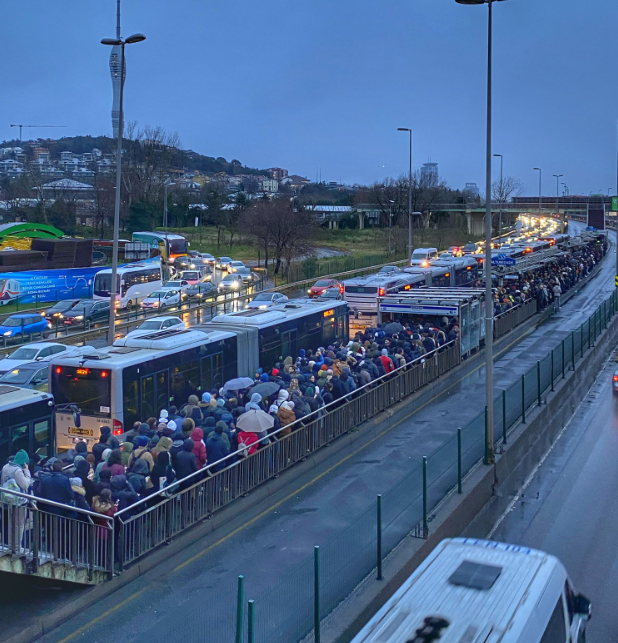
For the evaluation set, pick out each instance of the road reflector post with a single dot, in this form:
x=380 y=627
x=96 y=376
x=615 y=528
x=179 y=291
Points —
x=240 y=605
x=379 y=537
x=581 y=343
x=503 y=416
x=563 y=375
x=316 y=594
x=538 y=380
x=459 y=490
x=573 y=346
x=425 y=525
x=251 y=625
x=552 y=370
x=486 y=458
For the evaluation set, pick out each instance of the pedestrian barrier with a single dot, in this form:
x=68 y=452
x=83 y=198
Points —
x=506 y=321
x=286 y=612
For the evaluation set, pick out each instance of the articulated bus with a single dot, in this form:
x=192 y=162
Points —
x=26 y=421
x=137 y=377
x=169 y=245
x=134 y=283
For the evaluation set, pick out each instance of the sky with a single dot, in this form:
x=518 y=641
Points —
x=319 y=87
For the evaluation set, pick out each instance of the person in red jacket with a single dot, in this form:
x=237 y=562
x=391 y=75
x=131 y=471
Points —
x=389 y=367
x=247 y=443
x=198 y=446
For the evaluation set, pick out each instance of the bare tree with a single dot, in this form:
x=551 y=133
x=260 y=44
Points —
x=503 y=190
x=103 y=202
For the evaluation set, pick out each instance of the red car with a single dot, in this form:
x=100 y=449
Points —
x=323 y=284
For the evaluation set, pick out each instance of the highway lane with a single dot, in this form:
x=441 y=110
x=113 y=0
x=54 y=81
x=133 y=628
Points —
x=281 y=538
x=570 y=506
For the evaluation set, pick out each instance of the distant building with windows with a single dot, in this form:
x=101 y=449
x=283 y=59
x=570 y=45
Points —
x=429 y=173
x=278 y=173
x=472 y=190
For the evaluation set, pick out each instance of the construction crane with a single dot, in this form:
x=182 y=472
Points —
x=22 y=126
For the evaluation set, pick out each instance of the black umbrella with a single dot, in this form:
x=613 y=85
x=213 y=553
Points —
x=392 y=327
x=265 y=388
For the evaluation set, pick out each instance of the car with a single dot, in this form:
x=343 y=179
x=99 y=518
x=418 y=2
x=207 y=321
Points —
x=331 y=293
x=470 y=248
x=201 y=258
x=230 y=283
x=614 y=380
x=423 y=256
x=183 y=262
x=235 y=265
x=177 y=284
x=208 y=258
x=202 y=291
x=163 y=298
x=389 y=270
x=36 y=352
x=191 y=276
x=32 y=375
x=246 y=275
x=455 y=251
x=59 y=308
x=24 y=324
x=321 y=285
x=266 y=300
x=88 y=311
x=155 y=324
x=223 y=263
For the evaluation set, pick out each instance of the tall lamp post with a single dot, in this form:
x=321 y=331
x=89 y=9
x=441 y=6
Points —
x=540 y=187
x=489 y=301
x=390 y=223
x=138 y=37
x=407 y=129
x=166 y=186
x=501 y=198
x=558 y=177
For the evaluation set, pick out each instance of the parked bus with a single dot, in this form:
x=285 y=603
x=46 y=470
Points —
x=26 y=421
x=477 y=590
x=134 y=283
x=138 y=376
x=169 y=245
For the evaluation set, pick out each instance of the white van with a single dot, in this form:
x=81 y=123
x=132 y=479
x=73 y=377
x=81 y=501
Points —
x=423 y=256
x=482 y=591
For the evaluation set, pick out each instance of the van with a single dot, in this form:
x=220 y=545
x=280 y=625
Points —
x=422 y=256
x=482 y=591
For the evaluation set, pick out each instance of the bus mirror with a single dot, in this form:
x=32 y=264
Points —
x=582 y=606
x=77 y=418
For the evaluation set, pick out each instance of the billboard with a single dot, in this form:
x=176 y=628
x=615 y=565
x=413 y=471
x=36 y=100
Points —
x=596 y=215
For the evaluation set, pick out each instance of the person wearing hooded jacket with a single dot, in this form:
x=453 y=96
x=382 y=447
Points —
x=287 y=416
x=217 y=446
x=79 y=496
x=137 y=477
x=162 y=470
x=82 y=469
x=123 y=492
x=140 y=452
x=177 y=445
x=56 y=487
x=220 y=410
x=127 y=448
x=186 y=461
x=102 y=444
x=256 y=399
x=164 y=444
x=17 y=470
x=199 y=448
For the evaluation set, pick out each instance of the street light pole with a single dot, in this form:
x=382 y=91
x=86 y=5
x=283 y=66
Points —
x=489 y=302
x=407 y=129
x=501 y=198
x=540 y=187
x=114 y=285
x=558 y=177
x=390 y=221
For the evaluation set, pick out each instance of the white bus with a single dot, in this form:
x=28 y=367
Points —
x=477 y=590
x=362 y=294
x=134 y=282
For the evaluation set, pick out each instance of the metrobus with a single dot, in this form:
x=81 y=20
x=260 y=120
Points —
x=26 y=422
x=477 y=590
x=448 y=272
x=362 y=294
x=169 y=245
x=134 y=282
x=137 y=377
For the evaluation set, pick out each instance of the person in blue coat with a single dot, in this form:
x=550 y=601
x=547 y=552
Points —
x=217 y=446
x=56 y=487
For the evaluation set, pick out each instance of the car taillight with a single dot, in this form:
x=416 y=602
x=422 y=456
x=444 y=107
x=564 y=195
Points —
x=381 y=292
x=118 y=427
x=341 y=289
x=615 y=378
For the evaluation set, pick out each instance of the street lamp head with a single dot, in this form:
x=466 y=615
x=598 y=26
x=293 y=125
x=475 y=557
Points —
x=404 y=129
x=476 y=1
x=536 y=168
x=500 y=155
x=136 y=37
x=111 y=41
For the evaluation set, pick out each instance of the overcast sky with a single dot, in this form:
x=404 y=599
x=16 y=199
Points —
x=325 y=84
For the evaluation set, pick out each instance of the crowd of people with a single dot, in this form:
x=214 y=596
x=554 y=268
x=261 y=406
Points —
x=159 y=453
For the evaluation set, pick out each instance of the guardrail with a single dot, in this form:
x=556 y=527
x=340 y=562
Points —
x=505 y=322
x=70 y=543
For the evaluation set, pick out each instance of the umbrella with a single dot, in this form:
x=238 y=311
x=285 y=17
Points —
x=393 y=327
x=255 y=421
x=265 y=388
x=237 y=383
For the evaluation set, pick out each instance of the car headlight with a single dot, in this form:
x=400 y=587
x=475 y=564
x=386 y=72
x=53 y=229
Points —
x=79 y=317
x=262 y=307
x=192 y=266
x=235 y=285
x=8 y=333
x=60 y=315
x=309 y=291
x=42 y=314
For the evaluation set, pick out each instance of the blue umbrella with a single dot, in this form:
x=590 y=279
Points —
x=237 y=384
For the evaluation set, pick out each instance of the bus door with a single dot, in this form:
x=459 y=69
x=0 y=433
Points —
x=211 y=373
x=34 y=436
x=155 y=394
x=288 y=343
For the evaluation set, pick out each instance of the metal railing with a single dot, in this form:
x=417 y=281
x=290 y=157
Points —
x=142 y=528
x=44 y=532
x=506 y=321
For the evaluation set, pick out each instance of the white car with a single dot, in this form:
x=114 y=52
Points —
x=177 y=284
x=235 y=265
x=163 y=298
x=157 y=323
x=266 y=300
x=36 y=352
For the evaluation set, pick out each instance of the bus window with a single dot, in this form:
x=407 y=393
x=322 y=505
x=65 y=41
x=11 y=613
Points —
x=555 y=632
x=329 y=329
x=130 y=400
x=42 y=438
x=185 y=382
x=288 y=341
x=148 y=399
x=19 y=438
x=162 y=395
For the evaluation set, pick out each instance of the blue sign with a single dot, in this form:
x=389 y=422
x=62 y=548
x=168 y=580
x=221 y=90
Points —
x=502 y=260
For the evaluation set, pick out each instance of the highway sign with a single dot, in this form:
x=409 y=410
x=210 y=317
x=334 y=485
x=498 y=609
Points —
x=502 y=260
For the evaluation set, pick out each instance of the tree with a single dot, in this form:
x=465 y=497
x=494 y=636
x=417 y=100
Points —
x=103 y=203
x=62 y=215
x=503 y=190
x=214 y=201
x=141 y=216
x=251 y=185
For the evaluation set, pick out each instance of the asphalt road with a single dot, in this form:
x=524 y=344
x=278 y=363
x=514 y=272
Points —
x=569 y=507
x=194 y=591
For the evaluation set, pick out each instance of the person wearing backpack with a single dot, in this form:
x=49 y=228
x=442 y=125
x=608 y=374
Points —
x=16 y=477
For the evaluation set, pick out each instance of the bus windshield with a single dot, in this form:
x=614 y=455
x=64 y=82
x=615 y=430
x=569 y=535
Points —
x=370 y=290
x=91 y=391
x=177 y=246
x=103 y=284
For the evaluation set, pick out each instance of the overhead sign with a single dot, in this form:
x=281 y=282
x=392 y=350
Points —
x=615 y=203
x=419 y=309
x=502 y=260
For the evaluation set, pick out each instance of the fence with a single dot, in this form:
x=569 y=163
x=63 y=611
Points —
x=43 y=532
x=292 y=609
x=508 y=320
